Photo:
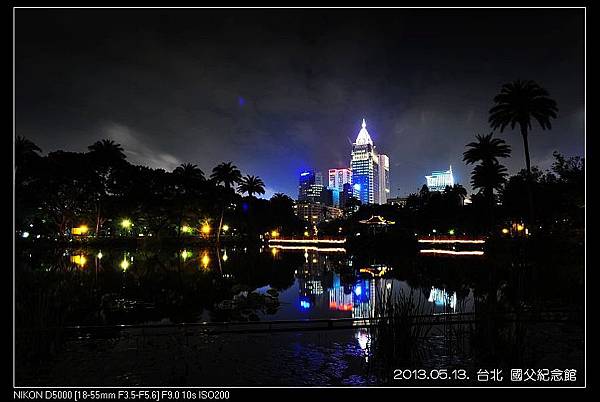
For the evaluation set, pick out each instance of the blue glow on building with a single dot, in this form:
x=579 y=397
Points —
x=305 y=304
x=367 y=170
x=439 y=179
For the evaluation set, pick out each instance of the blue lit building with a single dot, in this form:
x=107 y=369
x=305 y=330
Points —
x=310 y=186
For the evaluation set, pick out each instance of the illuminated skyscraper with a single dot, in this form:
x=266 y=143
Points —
x=384 y=178
x=439 y=179
x=310 y=186
x=339 y=177
x=370 y=171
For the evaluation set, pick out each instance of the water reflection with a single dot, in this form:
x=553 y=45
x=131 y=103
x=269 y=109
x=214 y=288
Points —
x=441 y=298
x=309 y=283
x=205 y=260
x=79 y=259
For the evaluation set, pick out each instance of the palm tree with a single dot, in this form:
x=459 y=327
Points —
x=518 y=103
x=226 y=173
x=489 y=174
x=188 y=173
x=251 y=185
x=488 y=177
x=107 y=151
x=24 y=150
x=486 y=150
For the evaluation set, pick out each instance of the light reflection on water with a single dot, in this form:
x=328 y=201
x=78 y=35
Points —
x=325 y=283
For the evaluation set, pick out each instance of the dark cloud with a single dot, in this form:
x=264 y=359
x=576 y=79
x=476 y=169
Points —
x=276 y=91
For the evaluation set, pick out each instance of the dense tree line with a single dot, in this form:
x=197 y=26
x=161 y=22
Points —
x=100 y=189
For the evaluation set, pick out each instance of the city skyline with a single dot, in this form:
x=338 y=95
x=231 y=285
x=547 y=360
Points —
x=265 y=88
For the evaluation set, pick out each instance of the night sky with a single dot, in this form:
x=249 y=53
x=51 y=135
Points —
x=277 y=91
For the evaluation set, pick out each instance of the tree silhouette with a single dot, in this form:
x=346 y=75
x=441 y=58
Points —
x=188 y=179
x=109 y=162
x=188 y=173
x=489 y=174
x=488 y=177
x=251 y=185
x=25 y=150
x=519 y=103
x=226 y=173
x=107 y=151
x=486 y=150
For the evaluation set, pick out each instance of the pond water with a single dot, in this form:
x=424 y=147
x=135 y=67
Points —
x=119 y=286
x=149 y=285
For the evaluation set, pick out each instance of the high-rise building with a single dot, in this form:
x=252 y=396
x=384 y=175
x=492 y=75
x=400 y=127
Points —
x=384 y=178
x=345 y=194
x=339 y=177
x=310 y=186
x=311 y=212
x=370 y=171
x=439 y=179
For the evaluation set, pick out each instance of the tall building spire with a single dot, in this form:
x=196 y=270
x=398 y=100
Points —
x=363 y=136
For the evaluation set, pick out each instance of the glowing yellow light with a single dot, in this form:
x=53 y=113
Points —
x=225 y=257
x=225 y=228
x=186 y=229
x=520 y=227
x=186 y=254
x=79 y=260
x=81 y=230
x=306 y=234
x=205 y=260
x=99 y=255
x=124 y=264
x=205 y=229
x=451 y=232
x=274 y=233
x=126 y=224
x=505 y=231
x=274 y=251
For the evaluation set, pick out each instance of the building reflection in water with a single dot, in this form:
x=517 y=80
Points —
x=441 y=298
x=323 y=289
